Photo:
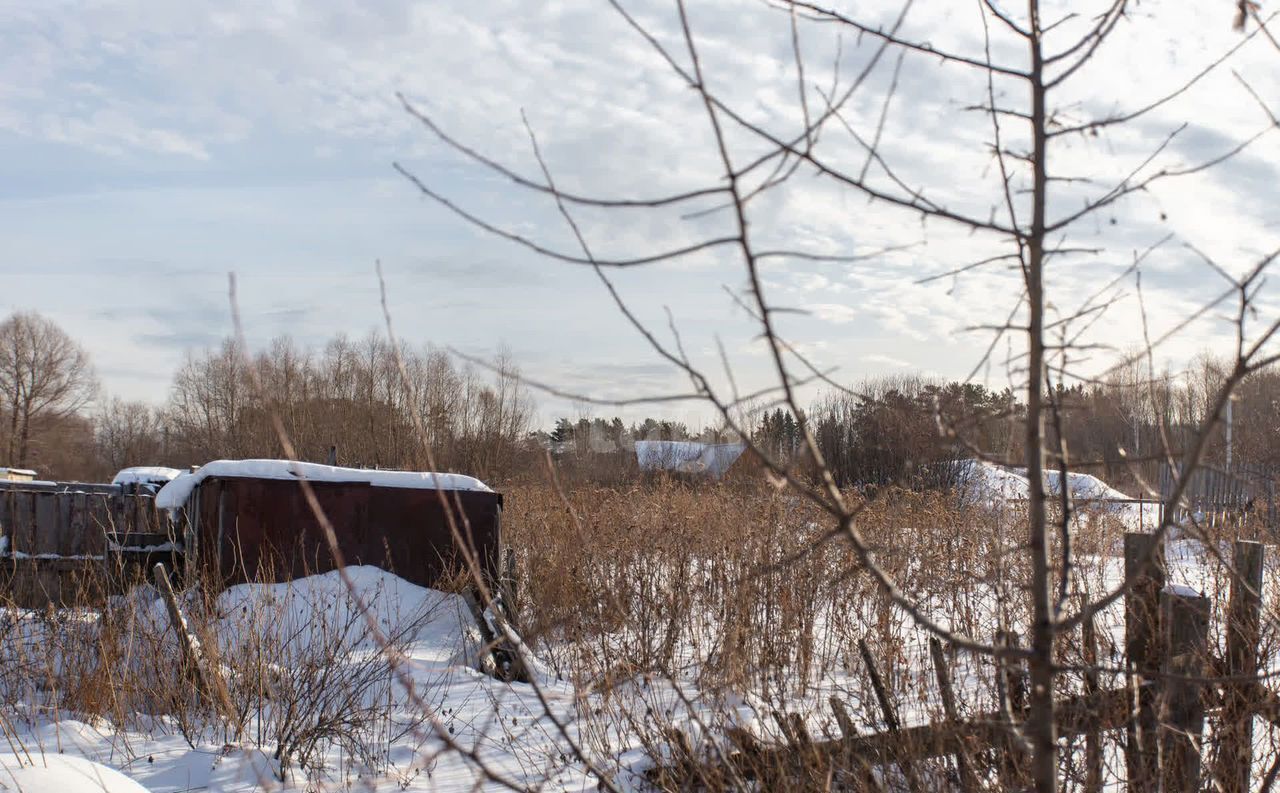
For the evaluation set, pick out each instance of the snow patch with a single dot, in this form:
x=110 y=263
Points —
x=436 y=624
x=1181 y=590
x=984 y=482
x=1083 y=486
x=60 y=773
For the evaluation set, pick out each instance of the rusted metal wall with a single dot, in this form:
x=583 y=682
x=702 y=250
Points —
x=263 y=529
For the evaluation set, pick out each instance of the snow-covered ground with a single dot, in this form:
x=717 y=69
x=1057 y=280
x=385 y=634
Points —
x=316 y=622
x=504 y=724
x=428 y=720
x=38 y=772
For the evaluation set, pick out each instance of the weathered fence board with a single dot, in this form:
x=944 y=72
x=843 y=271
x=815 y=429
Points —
x=1144 y=565
x=1234 y=762
x=68 y=542
x=1224 y=498
x=1186 y=615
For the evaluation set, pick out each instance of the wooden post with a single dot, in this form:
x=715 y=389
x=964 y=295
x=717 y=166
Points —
x=508 y=663
x=784 y=726
x=890 y=715
x=843 y=720
x=877 y=685
x=489 y=663
x=1234 y=756
x=967 y=781
x=1015 y=689
x=848 y=732
x=204 y=661
x=1092 y=740
x=1186 y=616
x=1142 y=651
x=510 y=591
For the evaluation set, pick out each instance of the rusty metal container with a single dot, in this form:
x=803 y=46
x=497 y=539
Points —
x=250 y=529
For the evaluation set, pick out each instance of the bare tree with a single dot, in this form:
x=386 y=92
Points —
x=127 y=433
x=44 y=375
x=1032 y=211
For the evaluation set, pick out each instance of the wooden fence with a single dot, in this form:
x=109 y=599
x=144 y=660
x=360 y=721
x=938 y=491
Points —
x=1224 y=498
x=1175 y=679
x=73 y=543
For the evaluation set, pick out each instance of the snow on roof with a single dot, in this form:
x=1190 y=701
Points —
x=17 y=471
x=688 y=456
x=145 y=474
x=174 y=495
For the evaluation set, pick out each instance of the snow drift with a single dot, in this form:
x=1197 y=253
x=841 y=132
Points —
x=60 y=773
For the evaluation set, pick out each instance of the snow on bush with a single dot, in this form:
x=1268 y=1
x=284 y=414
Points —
x=315 y=664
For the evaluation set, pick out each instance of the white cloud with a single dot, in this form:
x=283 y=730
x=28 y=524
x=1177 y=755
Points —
x=887 y=360
x=834 y=313
x=216 y=104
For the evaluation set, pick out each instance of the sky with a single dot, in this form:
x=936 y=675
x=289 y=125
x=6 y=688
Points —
x=148 y=149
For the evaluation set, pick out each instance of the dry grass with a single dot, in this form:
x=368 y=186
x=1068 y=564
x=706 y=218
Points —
x=732 y=580
x=702 y=597
x=672 y=606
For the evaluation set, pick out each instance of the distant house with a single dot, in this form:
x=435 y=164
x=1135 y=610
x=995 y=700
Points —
x=247 y=520
x=17 y=475
x=688 y=457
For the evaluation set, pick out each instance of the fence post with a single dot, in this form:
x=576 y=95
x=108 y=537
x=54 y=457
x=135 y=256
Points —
x=203 y=658
x=1009 y=754
x=967 y=780
x=1234 y=759
x=1141 y=644
x=1092 y=742
x=890 y=714
x=1186 y=616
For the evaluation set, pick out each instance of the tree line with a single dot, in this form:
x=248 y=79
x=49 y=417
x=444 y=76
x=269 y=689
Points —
x=377 y=404
x=911 y=430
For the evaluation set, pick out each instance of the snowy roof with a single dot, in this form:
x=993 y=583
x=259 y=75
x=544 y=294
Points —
x=145 y=474
x=688 y=456
x=17 y=472
x=175 y=494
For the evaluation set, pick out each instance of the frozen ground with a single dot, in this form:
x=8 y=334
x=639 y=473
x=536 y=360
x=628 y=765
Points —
x=494 y=720
x=503 y=724
x=311 y=633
